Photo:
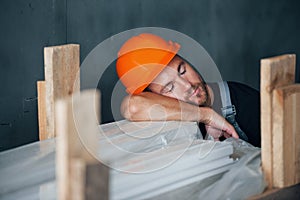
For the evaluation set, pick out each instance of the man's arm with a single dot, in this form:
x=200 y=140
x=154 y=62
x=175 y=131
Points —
x=150 y=106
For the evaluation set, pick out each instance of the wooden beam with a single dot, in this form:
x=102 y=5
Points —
x=286 y=136
x=62 y=78
x=41 y=94
x=275 y=72
x=79 y=174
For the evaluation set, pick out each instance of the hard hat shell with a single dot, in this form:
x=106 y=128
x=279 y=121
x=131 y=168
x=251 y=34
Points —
x=142 y=58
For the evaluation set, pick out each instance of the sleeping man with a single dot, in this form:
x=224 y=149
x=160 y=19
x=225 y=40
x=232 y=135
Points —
x=164 y=86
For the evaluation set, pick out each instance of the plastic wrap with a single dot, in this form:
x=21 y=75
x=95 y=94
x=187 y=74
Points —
x=25 y=169
x=243 y=180
x=28 y=172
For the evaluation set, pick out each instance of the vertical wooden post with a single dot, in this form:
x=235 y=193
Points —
x=286 y=135
x=275 y=72
x=41 y=94
x=61 y=77
x=79 y=175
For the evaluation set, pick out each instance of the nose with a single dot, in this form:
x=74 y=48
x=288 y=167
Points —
x=184 y=84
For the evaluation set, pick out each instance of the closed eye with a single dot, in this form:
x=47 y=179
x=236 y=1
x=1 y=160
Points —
x=168 y=88
x=181 y=68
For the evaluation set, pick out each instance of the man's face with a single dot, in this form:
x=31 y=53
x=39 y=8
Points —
x=179 y=80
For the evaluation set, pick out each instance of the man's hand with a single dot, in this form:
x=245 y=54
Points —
x=217 y=126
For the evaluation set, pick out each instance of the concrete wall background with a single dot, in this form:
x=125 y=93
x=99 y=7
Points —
x=236 y=34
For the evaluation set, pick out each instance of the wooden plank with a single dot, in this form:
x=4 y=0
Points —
x=286 y=134
x=41 y=94
x=77 y=128
x=61 y=76
x=275 y=72
x=96 y=181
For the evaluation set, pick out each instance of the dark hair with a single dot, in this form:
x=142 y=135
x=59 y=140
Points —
x=147 y=89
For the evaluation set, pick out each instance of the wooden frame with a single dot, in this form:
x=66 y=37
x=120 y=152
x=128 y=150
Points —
x=280 y=127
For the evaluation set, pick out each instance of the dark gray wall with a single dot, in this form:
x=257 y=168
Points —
x=237 y=34
x=26 y=27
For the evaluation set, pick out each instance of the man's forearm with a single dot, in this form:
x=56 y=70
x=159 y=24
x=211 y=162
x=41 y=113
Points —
x=151 y=106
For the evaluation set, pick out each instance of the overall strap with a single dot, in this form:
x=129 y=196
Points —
x=228 y=110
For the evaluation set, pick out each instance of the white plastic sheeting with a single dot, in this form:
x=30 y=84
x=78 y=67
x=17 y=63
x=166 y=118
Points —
x=170 y=164
x=189 y=168
x=24 y=169
x=243 y=180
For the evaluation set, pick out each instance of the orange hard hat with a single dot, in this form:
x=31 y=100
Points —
x=142 y=58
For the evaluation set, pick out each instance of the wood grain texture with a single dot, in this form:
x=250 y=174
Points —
x=61 y=76
x=275 y=72
x=286 y=134
x=96 y=182
x=77 y=127
x=41 y=95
